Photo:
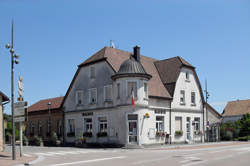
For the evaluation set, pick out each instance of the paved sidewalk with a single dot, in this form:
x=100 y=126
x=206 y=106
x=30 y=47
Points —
x=6 y=159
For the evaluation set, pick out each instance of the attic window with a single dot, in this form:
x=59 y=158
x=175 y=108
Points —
x=79 y=97
x=92 y=96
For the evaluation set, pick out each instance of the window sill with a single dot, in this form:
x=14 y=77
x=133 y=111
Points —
x=108 y=101
x=187 y=80
x=145 y=98
x=93 y=103
x=182 y=103
x=193 y=104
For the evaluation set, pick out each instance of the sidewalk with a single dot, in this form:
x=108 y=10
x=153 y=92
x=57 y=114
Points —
x=194 y=146
x=6 y=159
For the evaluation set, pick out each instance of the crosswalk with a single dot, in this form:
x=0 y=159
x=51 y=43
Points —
x=67 y=152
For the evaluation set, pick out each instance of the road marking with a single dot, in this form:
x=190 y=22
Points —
x=147 y=161
x=218 y=151
x=27 y=155
x=44 y=154
x=194 y=163
x=187 y=159
x=89 y=161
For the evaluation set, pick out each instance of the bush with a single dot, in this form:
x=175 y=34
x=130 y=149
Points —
x=87 y=134
x=54 y=138
x=37 y=140
x=243 y=138
x=25 y=140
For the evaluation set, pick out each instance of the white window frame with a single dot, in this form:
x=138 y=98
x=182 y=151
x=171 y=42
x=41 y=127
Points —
x=158 y=123
x=182 y=95
x=90 y=100
x=90 y=73
x=197 y=124
x=76 y=97
x=103 y=123
x=85 y=123
x=137 y=83
x=181 y=121
x=187 y=76
x=104 y=92
x=193 y=94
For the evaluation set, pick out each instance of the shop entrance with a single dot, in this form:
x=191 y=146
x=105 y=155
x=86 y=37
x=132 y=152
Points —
x=132 y=129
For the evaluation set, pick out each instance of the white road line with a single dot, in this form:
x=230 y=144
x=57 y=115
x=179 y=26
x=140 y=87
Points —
x=194 y=163
x=147 y=161
x=89 y=161
x=187 y=159
x=218 y=151
x=27 y=155
x=44 y=154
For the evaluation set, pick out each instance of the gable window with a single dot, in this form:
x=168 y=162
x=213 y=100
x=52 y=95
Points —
x=108 y=93
x=159 y=123
x=187 y=75
x=132 y=88
x=79 y=97
x=193 y=98
x=182 y=97
x=178 y=123
x=39 y=128
x=118 y=90
x=92 y=96
x=92 y=72
x=103 y=124
x=146 y=89
x=71 y=128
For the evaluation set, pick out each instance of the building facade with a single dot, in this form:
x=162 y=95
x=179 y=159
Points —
x=235 y=110
x=118 y=97
x=3 y=100
x=45 y=117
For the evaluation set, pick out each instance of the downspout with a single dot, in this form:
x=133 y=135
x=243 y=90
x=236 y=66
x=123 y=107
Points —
x=3 y=124
x=170 y=127
x=203 y=122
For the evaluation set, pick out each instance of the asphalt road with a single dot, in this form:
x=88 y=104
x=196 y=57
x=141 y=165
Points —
x=217 y=154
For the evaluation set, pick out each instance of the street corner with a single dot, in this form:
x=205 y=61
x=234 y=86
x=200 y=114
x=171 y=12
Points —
x=6 y=159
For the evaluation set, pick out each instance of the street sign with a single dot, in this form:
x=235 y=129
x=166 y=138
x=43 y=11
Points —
x=20 y=104
x=20 y=111
x=19 y=119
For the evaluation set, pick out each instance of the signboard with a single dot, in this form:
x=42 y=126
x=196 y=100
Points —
x=19 y=119
x=20 y=111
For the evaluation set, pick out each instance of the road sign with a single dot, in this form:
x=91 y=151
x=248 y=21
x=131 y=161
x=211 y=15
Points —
x=20 y=104
x=20 y=111
x=20 y=119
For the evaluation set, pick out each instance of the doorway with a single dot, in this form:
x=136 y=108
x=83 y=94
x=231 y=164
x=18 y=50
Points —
x=132 y=129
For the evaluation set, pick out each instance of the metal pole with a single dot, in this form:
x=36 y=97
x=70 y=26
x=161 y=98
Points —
x=21 y=139
x=12 y=95
x=206 y=112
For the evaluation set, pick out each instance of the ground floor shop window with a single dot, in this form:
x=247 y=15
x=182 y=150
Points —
x=87 y=127
x=71 y=128
x=103 y=125
x=39 y=128
x=59 y=127
x=32 y=129
x=178 y=126
x=160 y=126
x=197 y=125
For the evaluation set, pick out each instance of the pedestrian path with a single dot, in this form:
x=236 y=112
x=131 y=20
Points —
x=71 y=152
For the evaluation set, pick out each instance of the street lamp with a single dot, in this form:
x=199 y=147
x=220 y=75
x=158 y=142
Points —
x=14 y=60
x=207 y=123
x=49 y=107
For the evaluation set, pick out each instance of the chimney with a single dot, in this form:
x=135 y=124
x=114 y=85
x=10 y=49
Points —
x=137 y=53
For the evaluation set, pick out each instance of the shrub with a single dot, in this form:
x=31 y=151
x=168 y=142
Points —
x=243 y=138
x=37 y=140
x=25 y=140
x=54 y=138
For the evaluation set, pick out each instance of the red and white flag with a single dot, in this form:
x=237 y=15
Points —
x=132 y=98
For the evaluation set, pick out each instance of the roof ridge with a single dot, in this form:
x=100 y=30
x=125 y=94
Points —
x=239 y=100
x=50 y=98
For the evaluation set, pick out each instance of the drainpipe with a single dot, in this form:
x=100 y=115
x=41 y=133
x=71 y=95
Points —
x=170 y=127
x=203 y=122
x=3 y=124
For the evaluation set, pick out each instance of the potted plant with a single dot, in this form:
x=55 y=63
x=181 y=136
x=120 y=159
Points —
x=178 y=133
x=87 y=134
x=102 y=134
x=38 y=141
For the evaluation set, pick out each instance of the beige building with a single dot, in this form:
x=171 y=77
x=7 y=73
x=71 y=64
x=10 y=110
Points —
x=3 y=100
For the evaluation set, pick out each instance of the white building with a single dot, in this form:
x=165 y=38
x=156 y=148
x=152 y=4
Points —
x=168 y=100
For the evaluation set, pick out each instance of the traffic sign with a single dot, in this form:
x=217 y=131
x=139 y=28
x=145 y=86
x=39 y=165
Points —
x=20 y=104
x=19 y=119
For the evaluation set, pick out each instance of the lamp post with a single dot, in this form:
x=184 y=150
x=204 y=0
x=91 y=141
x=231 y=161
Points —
x=49 y=107
x=14 y=60
x=207 y=95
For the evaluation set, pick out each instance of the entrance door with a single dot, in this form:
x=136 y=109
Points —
x=132 y=129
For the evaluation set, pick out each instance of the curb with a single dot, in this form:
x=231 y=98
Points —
x=39 y=159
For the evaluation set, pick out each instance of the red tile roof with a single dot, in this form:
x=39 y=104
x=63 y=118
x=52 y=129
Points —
x=238 y=107
x=116 y=57
x=43 y=104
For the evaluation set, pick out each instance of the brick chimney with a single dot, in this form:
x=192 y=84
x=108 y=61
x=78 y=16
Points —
x=137 y=55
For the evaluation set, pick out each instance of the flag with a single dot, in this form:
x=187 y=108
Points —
x=133 y=98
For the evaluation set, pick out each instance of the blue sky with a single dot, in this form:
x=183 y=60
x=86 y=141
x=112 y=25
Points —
x=53 y=37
